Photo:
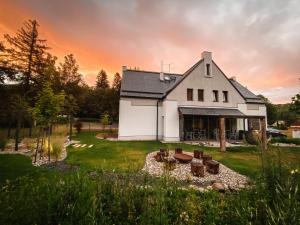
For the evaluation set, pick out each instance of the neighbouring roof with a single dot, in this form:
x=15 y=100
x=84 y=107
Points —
x=210 y=111
x=146 y=84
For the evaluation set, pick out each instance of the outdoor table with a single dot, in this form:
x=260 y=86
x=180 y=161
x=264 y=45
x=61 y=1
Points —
x=183 y=158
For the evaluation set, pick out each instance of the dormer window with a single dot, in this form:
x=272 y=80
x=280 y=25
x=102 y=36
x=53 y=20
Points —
x=208 y=69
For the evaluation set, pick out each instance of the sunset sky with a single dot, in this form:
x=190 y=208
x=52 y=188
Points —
x=256 y=41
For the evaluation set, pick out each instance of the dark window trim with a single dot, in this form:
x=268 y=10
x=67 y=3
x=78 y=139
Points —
x=225 y=99
x=192 y=94
x=215 y=96
x=202 y=99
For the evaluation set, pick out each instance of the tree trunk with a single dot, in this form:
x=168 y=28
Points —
x=9 y=129
x=71 y=125
x=49 y=130
x=37 y=145
x=43 y=141
x=222 y=134
x=17 y=132
x=30 y=129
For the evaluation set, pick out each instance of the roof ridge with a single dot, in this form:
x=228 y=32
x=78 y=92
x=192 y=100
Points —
x=147 y=71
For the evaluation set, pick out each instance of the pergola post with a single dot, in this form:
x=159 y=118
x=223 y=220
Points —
x=263 y=130
x=222 y=134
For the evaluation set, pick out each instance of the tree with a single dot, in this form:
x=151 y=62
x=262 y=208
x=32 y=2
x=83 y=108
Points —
x=46 y=109
x=271 y=110
x=117 y=82
x=295 y=105
x=70 y=108
x=68 y=71
x=102 y=81
x=105 y=119
x=25 y=54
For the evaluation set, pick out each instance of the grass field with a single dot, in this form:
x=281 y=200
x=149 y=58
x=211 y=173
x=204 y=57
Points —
x=130 y=155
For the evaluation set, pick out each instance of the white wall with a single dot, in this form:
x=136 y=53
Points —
x=171 y=121
x=137 y=119
x=253 y=109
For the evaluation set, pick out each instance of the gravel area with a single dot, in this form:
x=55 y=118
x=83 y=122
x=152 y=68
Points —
x=226 y=179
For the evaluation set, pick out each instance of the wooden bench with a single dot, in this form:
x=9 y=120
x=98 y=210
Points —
x=212 y=167
x=183 y=158
x=206 y=158
x=198 y=154
x=197 y=169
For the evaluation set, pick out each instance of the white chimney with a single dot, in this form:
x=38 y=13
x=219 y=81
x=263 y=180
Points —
x=161 y=74
x=207 y=59
x=124 y=68
x=207 y=56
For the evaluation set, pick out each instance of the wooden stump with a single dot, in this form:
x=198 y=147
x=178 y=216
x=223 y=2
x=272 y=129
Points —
x=198 y=154
x=170 y=163
x=178 y=150
x=159 y=157
x=212 y=166
x=164 y=151
x=206 y=158
x=197 y=169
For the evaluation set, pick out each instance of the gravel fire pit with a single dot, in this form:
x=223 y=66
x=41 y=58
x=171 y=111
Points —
x=224 y=180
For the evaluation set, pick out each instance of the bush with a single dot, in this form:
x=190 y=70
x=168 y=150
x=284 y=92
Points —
x=78 y=126
x=57 y=146
x=295 y=141
x=251 y=137
x=3 y=142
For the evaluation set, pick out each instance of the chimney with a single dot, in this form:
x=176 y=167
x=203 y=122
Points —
x=207 y=56
x=161 y=74
x=124 y=68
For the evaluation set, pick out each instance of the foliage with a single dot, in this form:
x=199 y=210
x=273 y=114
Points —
x=116 y=85
x=295 y=141
x=78 y=126
x=271 y=110
x=295 y=105
x=102 y=81
x=48 y=105
x=57 y=146
x=105 y=119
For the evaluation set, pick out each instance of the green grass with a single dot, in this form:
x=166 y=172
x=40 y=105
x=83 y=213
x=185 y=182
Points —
x=125 y=155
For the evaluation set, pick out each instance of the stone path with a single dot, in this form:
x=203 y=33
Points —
x=226 y=179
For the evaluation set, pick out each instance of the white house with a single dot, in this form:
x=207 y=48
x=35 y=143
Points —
x=201 y=104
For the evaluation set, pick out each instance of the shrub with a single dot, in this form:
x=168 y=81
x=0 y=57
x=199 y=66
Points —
x=295 y=141
x=57 y=146
x=252 y=137
x=78 y=126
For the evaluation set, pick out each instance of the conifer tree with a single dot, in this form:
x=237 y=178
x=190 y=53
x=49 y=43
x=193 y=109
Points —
x=117 y=82
x=102 y=81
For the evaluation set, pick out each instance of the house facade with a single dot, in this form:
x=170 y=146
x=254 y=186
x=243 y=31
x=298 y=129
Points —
x=189 y=106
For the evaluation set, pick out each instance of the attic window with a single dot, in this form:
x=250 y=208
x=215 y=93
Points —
x=215 y=96
x=189 y=94
x=207 y=69
x=225 y=96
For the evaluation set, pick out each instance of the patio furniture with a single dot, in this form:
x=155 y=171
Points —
x=183 y=158
x=197 y=169
x=212 y=167
x=206 y=158
x=198 y=154
x=178 y=150
x=159 y=157
x=170 y=163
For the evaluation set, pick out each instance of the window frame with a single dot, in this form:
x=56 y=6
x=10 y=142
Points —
x=191 y=93
x=207 y=69
x=202 y=96
x=215 y=96
x=225 y=93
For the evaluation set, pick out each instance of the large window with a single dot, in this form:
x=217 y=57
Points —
x=225 y=96
x=215 y=96
x=189 y=94
x=200 y=95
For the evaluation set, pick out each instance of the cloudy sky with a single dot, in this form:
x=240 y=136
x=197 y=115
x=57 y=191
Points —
x=256 y=41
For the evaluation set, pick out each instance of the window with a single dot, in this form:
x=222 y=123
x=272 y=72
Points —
x=190 y=94
x=200 y=95
x=215 y=96
x=207 y=69
x=225 y=96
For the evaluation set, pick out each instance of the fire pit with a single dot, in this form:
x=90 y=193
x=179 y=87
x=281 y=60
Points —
x=183 y=158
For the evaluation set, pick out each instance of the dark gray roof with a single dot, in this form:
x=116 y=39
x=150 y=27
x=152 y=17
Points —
x=247 y=95
x=136 y=83
x=210 y=111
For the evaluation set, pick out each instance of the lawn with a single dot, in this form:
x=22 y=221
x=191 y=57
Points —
x=130 y=155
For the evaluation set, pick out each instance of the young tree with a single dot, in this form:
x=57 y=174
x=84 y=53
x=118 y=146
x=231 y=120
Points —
x=70 y=108
x=25 y=53
x=47 y=108
x=117 y=82
x=102 y=81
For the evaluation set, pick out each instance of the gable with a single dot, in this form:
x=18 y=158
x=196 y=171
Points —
x=197 y=79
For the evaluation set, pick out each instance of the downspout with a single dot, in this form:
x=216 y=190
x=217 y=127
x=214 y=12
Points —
x=157 y=120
